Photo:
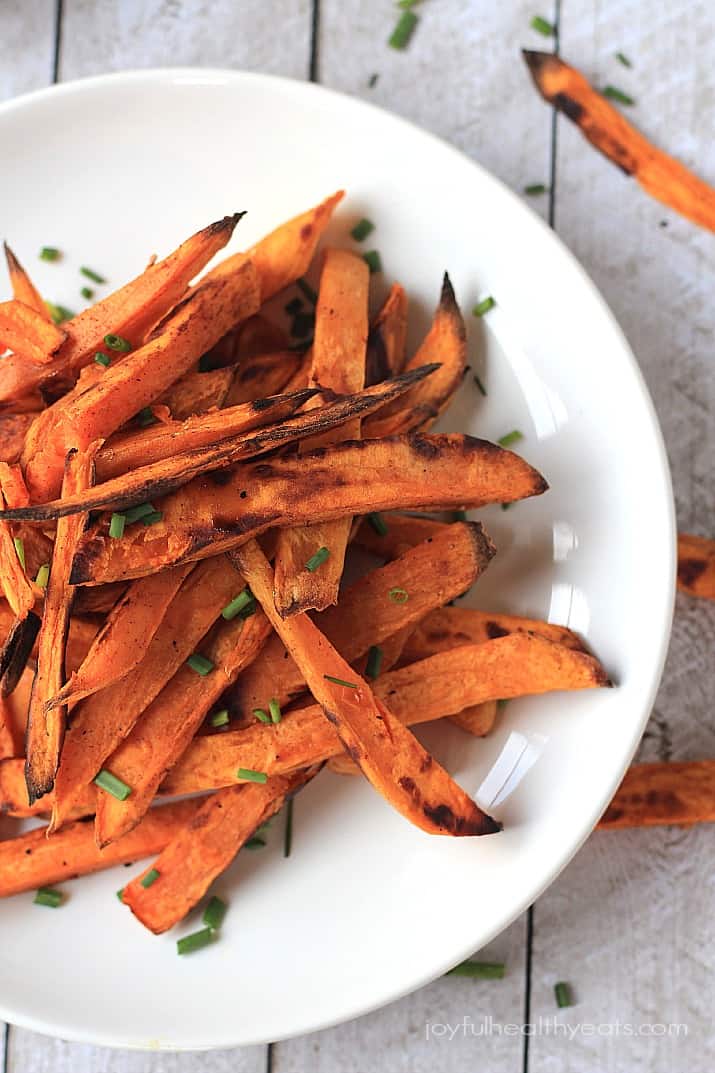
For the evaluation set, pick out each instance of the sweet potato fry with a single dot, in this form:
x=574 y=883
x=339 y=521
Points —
x=23 y=289
x=103 y=720
x=13 y=794
x=263 y=375
x=253 y=337
x=167 y=726
x=387 y=338
x=197 y=393
x=100 y=599
x=46 y=724
x=696 y=565
x=448 y=627
x=403 y=531
x=351 y=478
x=13 y=429
x=32 y=860
x=390 y=757
x=652 y=795
x=17 y=588
x=205 y=847
x=446 y=343
x=660 y=175
x=16 y=651
x=339 y=365
x=515 y=666
x=478 y=719
x=121 y=643
x=127 y=387
x=430 y=574
x=28 y=334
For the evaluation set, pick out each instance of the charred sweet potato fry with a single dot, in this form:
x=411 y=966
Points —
x=32 y=860
x=28 y=334
x=262 y=375
x=23 y=289
x=387 y=338
x=205 y=847
x=696 y=565
x=652 y=795
x=389 y=755
x=338 y=365
x=197 y=393
x=13 y=794
x=16 y=651
x=46 y=724
x=660 y=175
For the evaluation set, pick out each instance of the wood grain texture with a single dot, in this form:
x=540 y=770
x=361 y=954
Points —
x=29 y=1052
x=27 y=46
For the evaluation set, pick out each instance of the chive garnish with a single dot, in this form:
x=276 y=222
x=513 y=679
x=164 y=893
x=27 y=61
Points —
x=200 y=664
x=479 y=970
x=341 y=682
x=249 y=775
x=406 y=25
x=534 y=189
x=140 y=511
x=505 y=506
x=152 y=518
x=91 y=274
x=303 y=285
x=288 y=830
x=378 y=523
x=510 y=437
x=87 y=293
x=102 y=359
x=317 y=560
x=615 y=94
x=145 y=417
x=303 y=324
x=275 y=709
x=237 y=604
x=362 y=229
x=293 y=307
x=255 y=843
x=116 y=526
x=49 y=897
x=20 y=549
x=151 y=877
x=43 y=576
x=623 y=59
x=459 y=516
x=219 y=719
x=399 y=596
x=195 y=941
x=373 y=262
x=118 y=343
x=120 y=895
x=214 y=913
x=562 y=991
x=50 y=253
x=249 y=609
x=374 y=662
x=262 y=715
x=59 y=313
x=484 y=306
x=542 y=26
x=372 y=81
x=114 y=786
x=501 y=705
x=480 y=385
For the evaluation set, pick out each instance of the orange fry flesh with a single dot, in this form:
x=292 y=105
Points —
x=387 y=338
x=28 y=333
x=696 y=565
x=23 y=289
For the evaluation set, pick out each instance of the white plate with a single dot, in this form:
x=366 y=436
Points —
x=367 y=908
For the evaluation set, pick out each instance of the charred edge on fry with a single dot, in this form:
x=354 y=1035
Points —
x=16 y=651
x=689 y=570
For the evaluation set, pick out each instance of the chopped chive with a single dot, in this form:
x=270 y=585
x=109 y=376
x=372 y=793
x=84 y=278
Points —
x=399 y=596
x=249 y=775
x=118 y=343
x=255 y=843
x=374 y=662
x=293 y=307
x=479 y=970
x=49 y=897
x=114 y=786
x=303 y=285
x=151 y=877
x=195 y=941
x=317 y=560
x=562 y=991
x=484 y=306
x=214 y=913
x=378 y=523
x=459 y=516
x=534 y=189
x=262 y=715
x=20 y=549
x=510 y=437
x=237 y=604
x=153 y=518
x=102 y=359
x=87 y=293
x=542 y=26
x=341 y=682
x=505 y=506
x=140 y=511
x=43 y=576
x=372 y=81
x=50 y=253
x=91 y=274
x=116 y=526
x=362 y=229
x=373 y=262
x=145 y=417
x=623 y=59
x=303 y=324
x=275 y=709
x=615 y=94
x=501 y=705
x=406 y=25
x=480 y=385
x=120 y=895
x=219 y=719
x=59 y=313
x=249 y=609
x=200 y=664
x=288 y=830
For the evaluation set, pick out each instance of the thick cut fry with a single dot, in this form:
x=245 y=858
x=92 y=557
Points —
x=127 y=387
x=46 y=724
x=17 y=588
x=696 y=565
x=445 y=343
x=448 y=627
x=403 y=532
x=387 y=338
x=23 y=289
x=13 y=429
x=28 y=334
x=99 y=600
x=132 y=450
x=351 y=478
x=430 y=574
x=477 y=719
x=660 y=175
x=167 y=726
x=339 y=365
x=103 y=720
x=16 y=651
x=652 y=795
x=389 y=755
x=197 y=393
x=205 y=847
x=32 y=860
x=263 y=375
x=255 y=336
x=516 y=666
x=13 y=794
x=122 y=642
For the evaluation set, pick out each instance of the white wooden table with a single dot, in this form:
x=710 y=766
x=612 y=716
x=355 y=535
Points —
x=630 y=922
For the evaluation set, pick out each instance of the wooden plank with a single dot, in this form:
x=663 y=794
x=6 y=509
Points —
x=629 y=920
x=27 y=46
x=29 y=1052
